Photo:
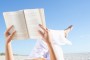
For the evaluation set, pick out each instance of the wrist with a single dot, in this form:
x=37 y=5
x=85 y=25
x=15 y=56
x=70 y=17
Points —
x=7 y=44
x=49 y=44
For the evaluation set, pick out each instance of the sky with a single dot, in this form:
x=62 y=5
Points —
x=59 y=14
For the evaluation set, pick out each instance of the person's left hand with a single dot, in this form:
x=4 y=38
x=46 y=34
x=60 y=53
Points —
x=9 y=36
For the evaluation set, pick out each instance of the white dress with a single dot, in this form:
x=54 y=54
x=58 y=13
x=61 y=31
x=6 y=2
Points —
x=41 y=50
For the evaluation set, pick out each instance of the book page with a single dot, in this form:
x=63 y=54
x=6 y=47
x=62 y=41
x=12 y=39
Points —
x=17 y=19
x=42 y=15
x=34 y=17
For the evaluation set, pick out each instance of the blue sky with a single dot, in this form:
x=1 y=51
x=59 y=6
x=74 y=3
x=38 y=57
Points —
x=59 y=15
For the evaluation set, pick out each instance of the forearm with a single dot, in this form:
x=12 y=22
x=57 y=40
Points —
x=9 y=53
x=52 y=54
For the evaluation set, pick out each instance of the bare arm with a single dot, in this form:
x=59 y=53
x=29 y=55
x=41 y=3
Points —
x=9 y=54
x=52 y=54
x=46 y=38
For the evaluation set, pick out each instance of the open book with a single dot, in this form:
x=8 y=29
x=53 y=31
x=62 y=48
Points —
x=25 y=22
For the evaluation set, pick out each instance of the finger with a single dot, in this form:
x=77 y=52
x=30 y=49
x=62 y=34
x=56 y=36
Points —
x=8 y=29
x=11 y=36
x=41 y=33
x=42 y=28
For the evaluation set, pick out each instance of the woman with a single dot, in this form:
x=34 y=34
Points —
x=46 y=37
x=58 y=39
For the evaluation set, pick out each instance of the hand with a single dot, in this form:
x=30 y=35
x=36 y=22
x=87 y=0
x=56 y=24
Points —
x=45 y=34
x=8 y=35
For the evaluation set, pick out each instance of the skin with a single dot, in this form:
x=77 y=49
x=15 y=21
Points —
x=46 y=37
x=8 y=36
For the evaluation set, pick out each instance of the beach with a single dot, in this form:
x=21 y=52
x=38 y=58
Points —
x=68 y=56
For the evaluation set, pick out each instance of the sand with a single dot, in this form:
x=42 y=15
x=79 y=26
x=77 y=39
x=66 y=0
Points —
x=70 y=56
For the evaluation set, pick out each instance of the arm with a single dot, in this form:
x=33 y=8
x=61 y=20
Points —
x=52 y=54
x=46 y=38
x=9 y=54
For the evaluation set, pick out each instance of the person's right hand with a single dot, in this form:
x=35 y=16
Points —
x=44 y=34
x=9 y=36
